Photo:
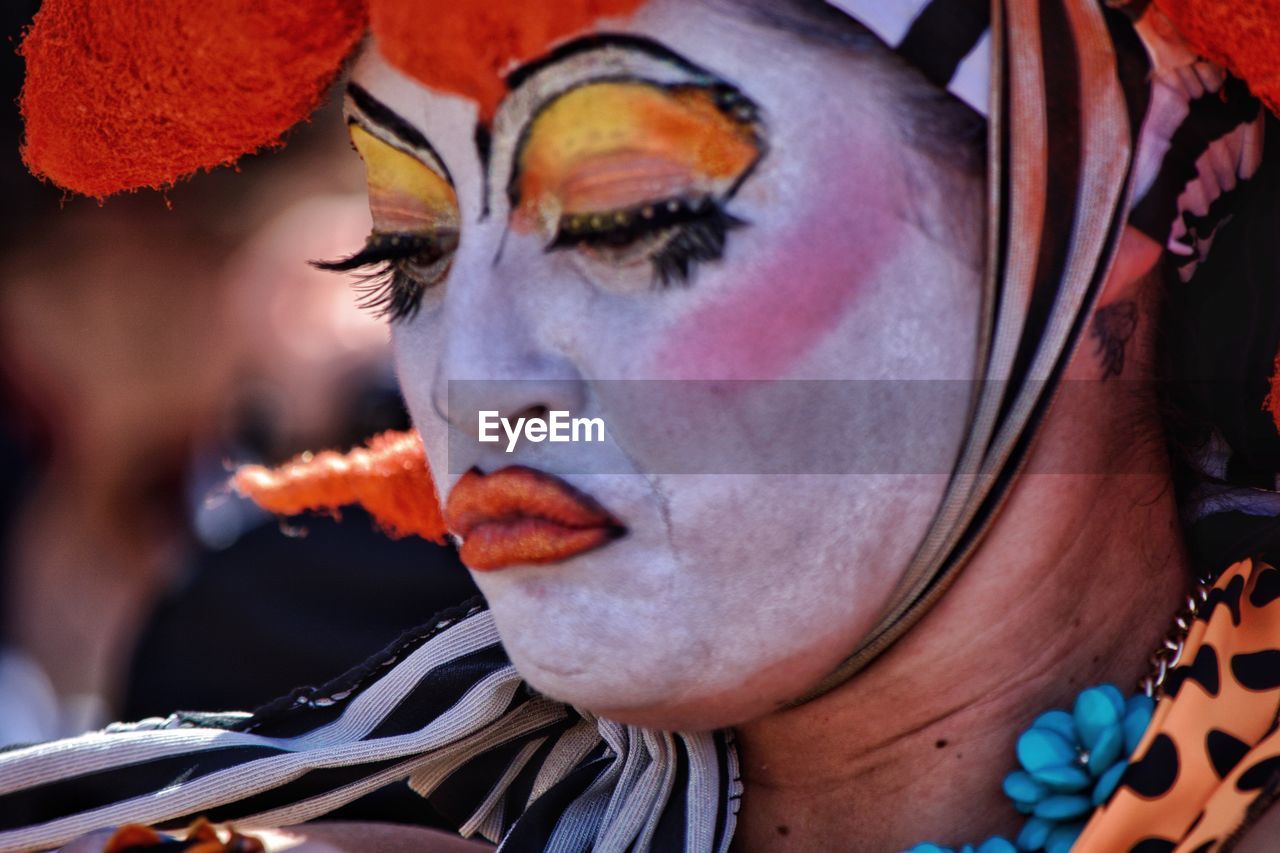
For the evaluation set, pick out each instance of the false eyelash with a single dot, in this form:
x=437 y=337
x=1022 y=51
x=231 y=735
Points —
x=389 y=291
x=701 y=227
x=698 y=241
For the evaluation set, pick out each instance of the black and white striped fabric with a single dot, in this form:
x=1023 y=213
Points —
x=1094 y=123
x=443 y=708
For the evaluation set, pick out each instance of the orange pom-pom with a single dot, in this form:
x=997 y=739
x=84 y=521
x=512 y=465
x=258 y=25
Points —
x=121 y=95
x=389 y=478
x=1241 y=37
x=124 y=95
x=467 y=46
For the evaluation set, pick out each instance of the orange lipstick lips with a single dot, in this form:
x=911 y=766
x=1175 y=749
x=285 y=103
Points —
x=518 y=516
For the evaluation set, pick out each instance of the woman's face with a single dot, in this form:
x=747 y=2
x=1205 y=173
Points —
x=731 y=212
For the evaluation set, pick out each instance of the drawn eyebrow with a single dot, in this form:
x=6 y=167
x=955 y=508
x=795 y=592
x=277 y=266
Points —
x=390 y=121
x=628 y=41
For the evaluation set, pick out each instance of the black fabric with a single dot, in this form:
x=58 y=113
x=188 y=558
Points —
x=307 y=708
x=670 y=834
x=1225 y=538
x=440 y=691
x=1220 y=336
x=1223 y=329
x=538 y=822
x=943 y=34
x=521 y=787
x=1215 y=115
x=300 y=609
x=311 y=784
x=458 y=796
x=320 y=604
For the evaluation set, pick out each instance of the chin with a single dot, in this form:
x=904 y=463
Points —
x=636 y=635
x=637 y=685
x=604 y=695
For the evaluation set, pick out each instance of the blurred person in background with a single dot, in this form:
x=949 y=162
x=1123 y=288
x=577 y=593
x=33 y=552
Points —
x=144 y=345
x=143 y=370
x=314 y=371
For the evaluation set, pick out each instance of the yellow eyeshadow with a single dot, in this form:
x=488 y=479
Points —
x=606 y=146
x=405 y=194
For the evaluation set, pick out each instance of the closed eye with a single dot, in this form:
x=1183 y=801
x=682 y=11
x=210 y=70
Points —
x=624 y=171
x=400 y=269
x=674 y=235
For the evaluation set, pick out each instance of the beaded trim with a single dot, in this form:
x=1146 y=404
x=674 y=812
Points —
x=1169 y=653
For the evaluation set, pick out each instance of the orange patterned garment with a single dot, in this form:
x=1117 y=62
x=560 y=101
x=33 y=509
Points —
x=1209 y=762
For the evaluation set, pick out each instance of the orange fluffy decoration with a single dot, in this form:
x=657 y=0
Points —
x=467 y=46
x=389 y=478
x=1241 y=37
x=121 y=94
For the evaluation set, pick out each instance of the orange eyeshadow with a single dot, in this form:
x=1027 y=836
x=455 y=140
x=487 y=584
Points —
x=405 y=194
x=610 y=146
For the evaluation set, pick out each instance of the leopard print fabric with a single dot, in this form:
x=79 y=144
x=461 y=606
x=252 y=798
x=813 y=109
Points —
x=1211 y=757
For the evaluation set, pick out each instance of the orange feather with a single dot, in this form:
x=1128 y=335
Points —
x=389 y=477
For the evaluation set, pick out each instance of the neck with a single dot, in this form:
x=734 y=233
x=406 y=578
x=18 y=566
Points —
x=1075 y=585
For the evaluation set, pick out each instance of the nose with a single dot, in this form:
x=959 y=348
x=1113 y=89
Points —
x=542 y=384
x=500 y=354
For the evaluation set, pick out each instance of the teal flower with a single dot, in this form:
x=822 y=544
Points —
x=1071 y=764
x=991 y=845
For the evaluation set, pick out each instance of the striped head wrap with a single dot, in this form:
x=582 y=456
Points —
x=1098 y=119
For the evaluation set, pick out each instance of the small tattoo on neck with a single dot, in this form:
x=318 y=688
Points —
x=1113 y=326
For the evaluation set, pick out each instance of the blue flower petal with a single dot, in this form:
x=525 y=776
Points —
x=1020 y=787
x=1096 y=713
x=1063 y=778
x=1108 y=782
x=1063 y=807
x=1040 y=747
x=1057 y=721
x=1113 y=693
x=1136 y=720
x=1054 y=787
x=1107 y=750
x=1033 y=834
x=1062 y=837
x=1139 y=702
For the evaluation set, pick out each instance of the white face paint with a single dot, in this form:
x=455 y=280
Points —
x=730 y=593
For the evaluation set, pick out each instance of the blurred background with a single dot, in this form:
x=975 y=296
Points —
x=146 y=345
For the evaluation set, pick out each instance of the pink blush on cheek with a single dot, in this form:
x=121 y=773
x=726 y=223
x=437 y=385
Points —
x=778 y=309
